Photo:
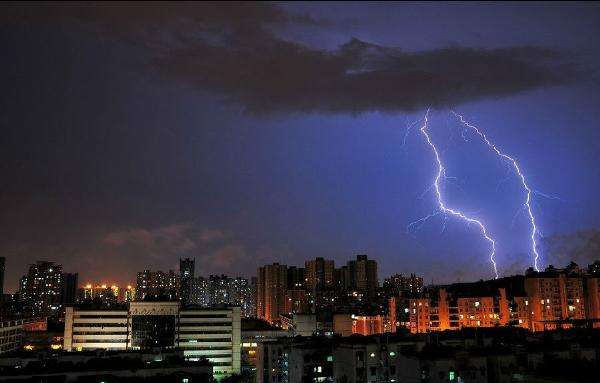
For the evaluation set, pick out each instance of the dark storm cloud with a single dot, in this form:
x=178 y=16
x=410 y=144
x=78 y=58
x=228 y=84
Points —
x=235 y=52
x=582 y=247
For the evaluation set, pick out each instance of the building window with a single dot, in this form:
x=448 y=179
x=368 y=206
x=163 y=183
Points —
x=360 y=356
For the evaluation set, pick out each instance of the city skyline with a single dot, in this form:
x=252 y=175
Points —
x=296 y=136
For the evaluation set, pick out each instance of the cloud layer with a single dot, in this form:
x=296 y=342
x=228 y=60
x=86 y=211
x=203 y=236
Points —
x=234 y=52
x=582 y=247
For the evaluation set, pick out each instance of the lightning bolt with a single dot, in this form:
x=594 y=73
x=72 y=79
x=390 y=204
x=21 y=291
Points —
x=527 y=204
x=441 y=172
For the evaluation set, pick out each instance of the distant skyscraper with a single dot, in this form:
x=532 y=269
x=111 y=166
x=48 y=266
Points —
x=242 y=295
x=40 y=289
x=2 y=271
x=153 y=285
x=398 y=284
x=200 y=294
x=68 y=292
x=296 y=278
x=186 y=276
x=220 y=290
x=319 y=274
x=361 y=275
x=271 y=288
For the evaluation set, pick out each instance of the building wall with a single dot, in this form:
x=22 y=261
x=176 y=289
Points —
x=342 y=324
x=443 y=312
x=555 y=298
x=272 y=284
x=89 y=330
x=11 y=335
x=419 y=315
x=211 y=333
x=593 y=298
x=369 y=325
x=40 y=289
x=319 y=274
x=272 y=362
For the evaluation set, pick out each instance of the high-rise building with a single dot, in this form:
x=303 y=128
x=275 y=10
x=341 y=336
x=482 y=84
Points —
x=270 y=294
x=200 y=294
x=296 y=278
x=555 y=296
x=399 y=284
x=40 y=289
x=242 y=295
x=105 y=294
x=68 y=292
x=220 y=290
x=186 y=276
x=157 y=285
x=361 y=275
x=319 y=274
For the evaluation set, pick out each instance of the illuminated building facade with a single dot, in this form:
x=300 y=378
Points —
x=242 y=295
x=11 y=335
x=187 y=270
x=211 y=333
x=399 y=284
x=157 y=285
x=370 y=324
x=443 y=311
x=200 y=294
x=296 y=301
x=40 y=289
x=555 y=296
x=319 y=274
x=355 y=359
x=108 y=294
x=537 y=301
x=361 y=275
x=270 y=292
x=592 y=289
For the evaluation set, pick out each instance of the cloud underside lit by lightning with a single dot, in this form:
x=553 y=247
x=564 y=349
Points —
x=443 y=208
x=528 y=191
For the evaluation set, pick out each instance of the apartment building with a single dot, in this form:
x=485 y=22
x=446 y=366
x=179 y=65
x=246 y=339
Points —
x=443 y=311
x=555 y=297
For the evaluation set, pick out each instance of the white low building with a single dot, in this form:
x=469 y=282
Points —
x=214 y=334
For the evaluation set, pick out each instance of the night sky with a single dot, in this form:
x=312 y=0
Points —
x=240 y=135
